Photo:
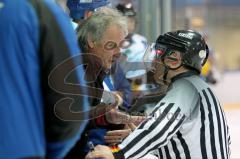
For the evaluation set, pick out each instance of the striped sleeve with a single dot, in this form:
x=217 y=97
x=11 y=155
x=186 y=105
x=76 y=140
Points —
x=165 y=121
x=155 y=132
x=213 y=122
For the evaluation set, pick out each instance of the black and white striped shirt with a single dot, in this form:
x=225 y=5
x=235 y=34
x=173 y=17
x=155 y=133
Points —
x=187 y=123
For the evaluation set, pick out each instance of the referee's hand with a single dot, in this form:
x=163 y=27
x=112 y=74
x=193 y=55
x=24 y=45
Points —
x=100 y=152
x=115 y=116
x=116 y=136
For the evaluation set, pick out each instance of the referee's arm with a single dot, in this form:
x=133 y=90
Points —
x=165 y=120
x=153 y=133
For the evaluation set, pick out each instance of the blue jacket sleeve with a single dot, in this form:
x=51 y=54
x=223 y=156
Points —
x=122 y=84
x=61 y=64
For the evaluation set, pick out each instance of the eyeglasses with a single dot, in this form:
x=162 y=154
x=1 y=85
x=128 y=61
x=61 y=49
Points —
x=111 y=45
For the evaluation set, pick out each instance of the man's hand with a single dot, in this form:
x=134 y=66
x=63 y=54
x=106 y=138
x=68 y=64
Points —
x=100 y=152
x=115 y=116
x=116 y=136
x=131 y=126
x=113 y=98
x=136 y=120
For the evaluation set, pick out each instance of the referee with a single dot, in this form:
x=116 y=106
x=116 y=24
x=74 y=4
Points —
x=189 y=121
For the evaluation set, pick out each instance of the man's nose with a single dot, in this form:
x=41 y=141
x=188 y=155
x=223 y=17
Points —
x=117 y=54
x=117 y=50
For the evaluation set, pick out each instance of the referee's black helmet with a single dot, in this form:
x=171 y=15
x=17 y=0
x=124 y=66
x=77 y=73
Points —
x=194 y=51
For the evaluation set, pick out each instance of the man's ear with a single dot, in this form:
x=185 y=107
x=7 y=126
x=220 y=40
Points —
x=174 y=60
x=87 y=14
x=90 y=42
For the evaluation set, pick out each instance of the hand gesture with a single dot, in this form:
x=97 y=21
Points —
x=100 y=152
x=116 y=136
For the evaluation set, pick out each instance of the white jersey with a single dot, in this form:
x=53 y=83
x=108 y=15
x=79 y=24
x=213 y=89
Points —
x=188 y=122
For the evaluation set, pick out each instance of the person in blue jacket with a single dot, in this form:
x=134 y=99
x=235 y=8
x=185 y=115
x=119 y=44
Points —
x=35 y=37
x=80 y=10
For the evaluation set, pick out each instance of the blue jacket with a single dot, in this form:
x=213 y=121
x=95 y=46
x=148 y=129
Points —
x=115 y=82
x=118 y=82
x=35 y=37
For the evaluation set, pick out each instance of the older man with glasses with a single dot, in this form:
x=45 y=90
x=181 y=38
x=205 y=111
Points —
x=101 y=37
x=82 y=10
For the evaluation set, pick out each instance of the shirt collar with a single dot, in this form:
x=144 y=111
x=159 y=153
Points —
x=184 y=74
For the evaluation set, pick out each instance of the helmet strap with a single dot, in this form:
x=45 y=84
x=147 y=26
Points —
x=176 y=67
x=166 y=69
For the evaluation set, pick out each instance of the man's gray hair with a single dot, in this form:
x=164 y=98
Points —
x=96 y=26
